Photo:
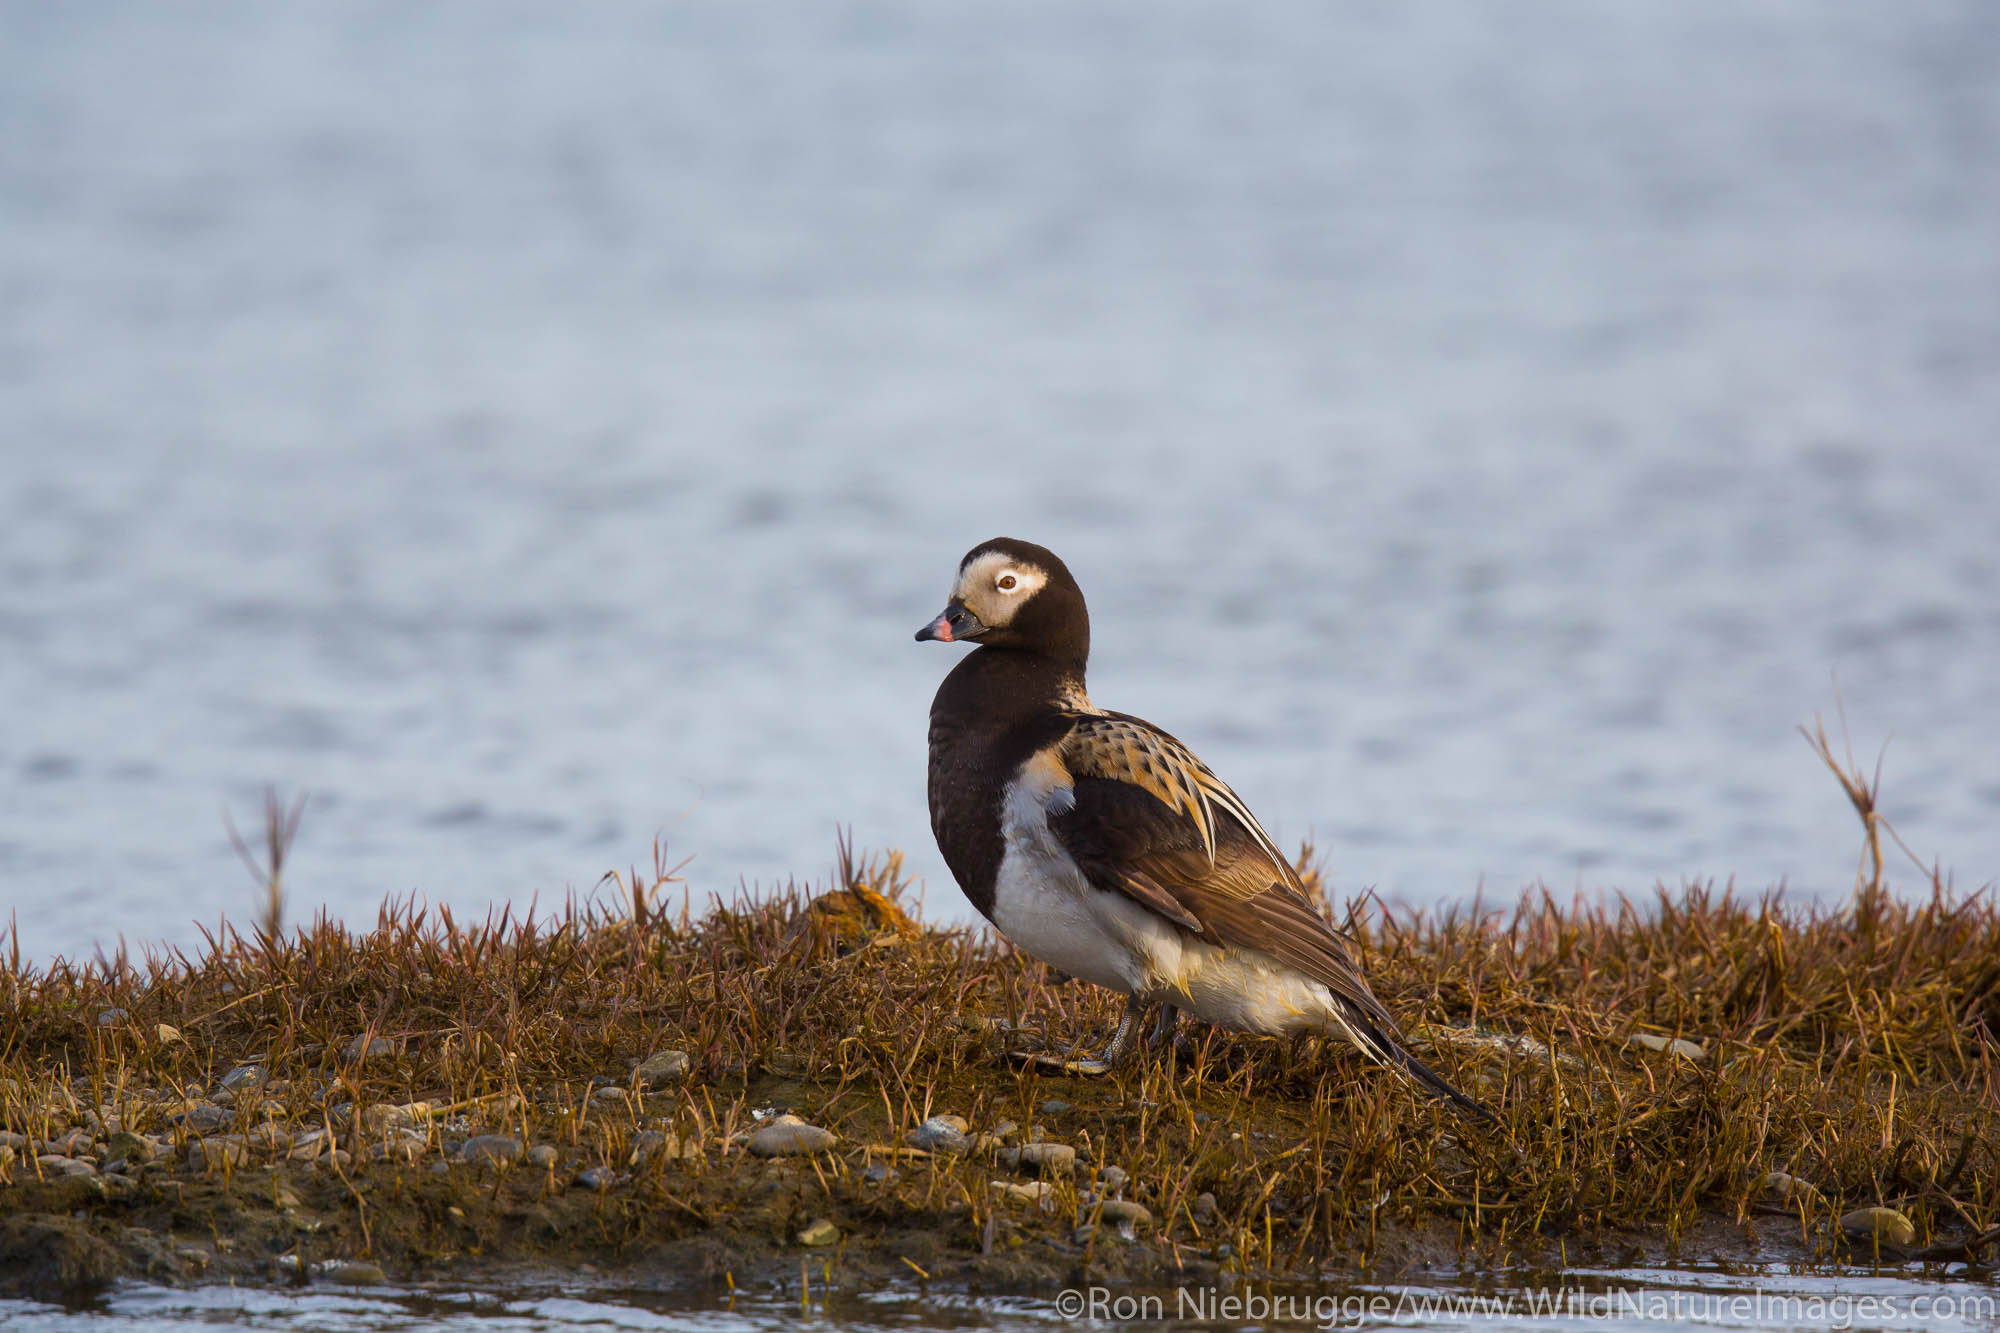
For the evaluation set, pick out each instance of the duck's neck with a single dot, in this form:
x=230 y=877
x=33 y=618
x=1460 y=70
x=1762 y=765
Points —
x=999 y=686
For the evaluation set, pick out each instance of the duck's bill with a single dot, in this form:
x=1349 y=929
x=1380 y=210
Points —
x=952 y=624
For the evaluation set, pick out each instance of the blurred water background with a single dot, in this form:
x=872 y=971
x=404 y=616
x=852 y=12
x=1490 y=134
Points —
x=1483 y=431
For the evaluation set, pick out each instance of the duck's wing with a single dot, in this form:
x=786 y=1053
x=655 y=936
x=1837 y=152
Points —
x=1148 y=819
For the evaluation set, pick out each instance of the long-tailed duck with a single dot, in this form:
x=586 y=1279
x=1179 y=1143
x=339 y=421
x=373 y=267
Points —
x=1102 y=846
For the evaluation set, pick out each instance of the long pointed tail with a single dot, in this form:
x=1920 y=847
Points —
x=1400 y=1057
x=1380 y=1041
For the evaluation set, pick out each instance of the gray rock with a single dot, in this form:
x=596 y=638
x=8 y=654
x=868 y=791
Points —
x=133 y=1148
x=542 y=1155
x=399 y=1145
x=660 y=1069
x=1205 y=1208
x=1054 y=1107
x=650 y=1143
x=304 y=1147
x=597 y=1177
x=217 y=1151
x=353 y=1273
x=940 y=1134
x=243 y=1078
x=878 y=1174
x=73 y=1144
x=494 y=1150
x=338 y=1160
x=1053 y=1159
x=55 y=1164
x=1113 y=1178
x=789 y=1136
x=10 y=1139
x=203 y=1118
x=365 y=1048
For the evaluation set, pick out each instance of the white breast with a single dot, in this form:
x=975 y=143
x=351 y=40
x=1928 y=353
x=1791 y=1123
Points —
x=1043 y=904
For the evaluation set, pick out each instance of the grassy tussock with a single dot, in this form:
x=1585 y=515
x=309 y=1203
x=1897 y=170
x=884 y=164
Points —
x=1853 y=1049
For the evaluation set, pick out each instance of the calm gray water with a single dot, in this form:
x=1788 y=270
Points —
x=1484 y=432
x=1640 y=1301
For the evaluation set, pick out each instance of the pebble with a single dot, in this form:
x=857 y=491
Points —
x=1885 y=1225
x=1055 y=1107
x=650 y=1143
x=1035 y=1191
x=542 y=1155
x=1004 y=1129
x=400 y=1145
x=661 y=1068
x=73 y=1144
x=392 y=1115
x=365 y=1048
x=1125 y=1214
x=127 y=1147
x=283 y=1197
x=203 y=1118
x=309 y=1145
x=940 y=1133
x=267 y=1134
x=495 y=1150
x=211 y=1154
x=111 y=1018
x=597 y=1177
x=1052 y=1158
x=1687 y=1050
x=353 y=1273
x=609 y=1095
x=9 y=1139
x=1782 y=1188
x=56 y=1164
x=1205 y=1207
x=878 y=1174
x=243 y=1078
x=1113 y=1178
x=819 y=1231
x=790 y=1136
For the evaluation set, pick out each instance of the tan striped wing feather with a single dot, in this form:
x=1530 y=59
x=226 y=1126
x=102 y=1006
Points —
x=1113 y=745
x=1163 y=829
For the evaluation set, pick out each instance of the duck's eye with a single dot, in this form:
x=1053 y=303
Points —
x=1007 y=582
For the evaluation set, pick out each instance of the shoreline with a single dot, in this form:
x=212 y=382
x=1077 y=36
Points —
x=821 y=1089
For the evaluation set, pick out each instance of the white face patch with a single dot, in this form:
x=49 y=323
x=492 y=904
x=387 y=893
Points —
x=994 y=585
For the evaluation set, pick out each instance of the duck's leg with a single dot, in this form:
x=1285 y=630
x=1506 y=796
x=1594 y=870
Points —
x=1126 y=1039
x=1163 y=1029
x=1123 y=1042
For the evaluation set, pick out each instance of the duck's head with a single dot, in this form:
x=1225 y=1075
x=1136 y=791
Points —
x=1015 y=594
